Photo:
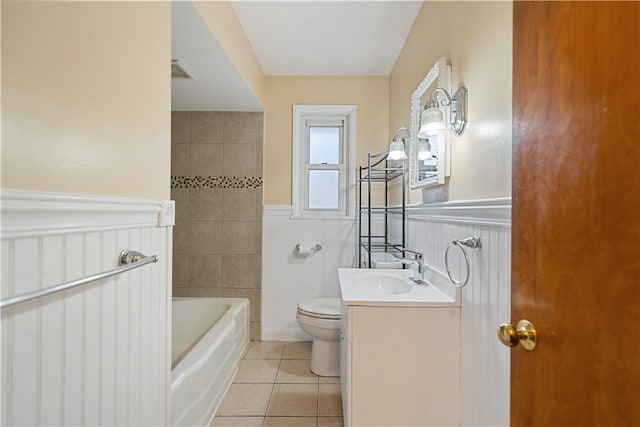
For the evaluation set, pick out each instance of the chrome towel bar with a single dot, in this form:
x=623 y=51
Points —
x=128 y=260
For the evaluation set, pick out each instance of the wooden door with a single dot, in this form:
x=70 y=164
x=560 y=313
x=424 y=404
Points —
x=576 y=212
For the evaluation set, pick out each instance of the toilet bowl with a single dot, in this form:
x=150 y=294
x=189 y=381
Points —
x=320 y=318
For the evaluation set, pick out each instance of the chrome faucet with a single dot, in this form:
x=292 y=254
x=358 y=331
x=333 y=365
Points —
x=418 y=260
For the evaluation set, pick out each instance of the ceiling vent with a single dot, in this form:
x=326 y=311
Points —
x=179 y=71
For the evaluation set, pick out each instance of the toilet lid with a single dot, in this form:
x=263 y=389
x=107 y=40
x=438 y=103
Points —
x=325 y=307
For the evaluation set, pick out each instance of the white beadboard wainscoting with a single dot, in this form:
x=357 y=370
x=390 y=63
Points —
x=97 y=354
x=288 y=278
x=486 y=299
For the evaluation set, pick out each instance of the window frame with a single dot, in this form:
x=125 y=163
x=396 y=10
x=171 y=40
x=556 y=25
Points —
x=305 y=116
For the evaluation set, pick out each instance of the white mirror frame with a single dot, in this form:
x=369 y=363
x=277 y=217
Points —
x=440 y=73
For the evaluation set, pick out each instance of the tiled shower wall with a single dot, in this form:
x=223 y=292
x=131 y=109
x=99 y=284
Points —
x=216 y=182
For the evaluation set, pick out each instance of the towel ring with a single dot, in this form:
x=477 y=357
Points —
x=470 y=242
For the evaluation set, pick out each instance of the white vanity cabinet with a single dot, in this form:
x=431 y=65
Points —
x=400 y=365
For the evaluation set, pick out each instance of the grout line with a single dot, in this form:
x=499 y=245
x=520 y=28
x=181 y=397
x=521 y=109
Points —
x=264 y=418
x=273 y=386
x=317 y=402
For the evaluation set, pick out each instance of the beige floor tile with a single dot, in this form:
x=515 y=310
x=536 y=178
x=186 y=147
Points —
x=265 y=350
x=293 y=400
x=329 y=380
x=295 y=372
x=258 y=371
x=330 y=422
x=297 y=350
x=246 y=400
x=237 y=422
x=329 y=400
x=290 y=422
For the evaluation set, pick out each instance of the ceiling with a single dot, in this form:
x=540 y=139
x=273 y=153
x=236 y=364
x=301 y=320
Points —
x=320 y=38
x=217 y=85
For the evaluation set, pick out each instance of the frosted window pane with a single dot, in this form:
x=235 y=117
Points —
x=324 y=145
x=324 y=189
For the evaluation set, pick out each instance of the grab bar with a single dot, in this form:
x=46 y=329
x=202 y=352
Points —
x=128 y=259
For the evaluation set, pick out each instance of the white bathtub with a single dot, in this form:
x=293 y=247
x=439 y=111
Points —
x=209 y=336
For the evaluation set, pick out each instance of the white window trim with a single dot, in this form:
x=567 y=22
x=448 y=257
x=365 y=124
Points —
x=301 y=113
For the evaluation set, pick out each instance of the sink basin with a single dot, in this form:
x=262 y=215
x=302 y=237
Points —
x=394 y=288
x=381 y=283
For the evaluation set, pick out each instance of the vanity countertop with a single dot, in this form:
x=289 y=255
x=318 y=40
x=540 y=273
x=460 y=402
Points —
x=392 y=287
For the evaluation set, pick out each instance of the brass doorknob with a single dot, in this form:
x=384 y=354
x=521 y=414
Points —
x=524 y=333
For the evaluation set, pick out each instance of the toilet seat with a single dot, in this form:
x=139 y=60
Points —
x=321 y=308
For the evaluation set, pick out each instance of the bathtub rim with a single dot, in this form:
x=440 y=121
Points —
x=235 y=303
x=178 y=359
x=201 y=354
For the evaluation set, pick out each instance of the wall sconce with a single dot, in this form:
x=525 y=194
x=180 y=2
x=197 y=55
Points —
x=424 y=150
x=432 y=120
x=396 y=148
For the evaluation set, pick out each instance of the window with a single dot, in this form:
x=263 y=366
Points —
x=323 y=161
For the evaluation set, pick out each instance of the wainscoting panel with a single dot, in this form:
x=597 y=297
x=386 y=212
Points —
x=97 y=354
x=485 y=301
x=485 y=363
x=288 y=278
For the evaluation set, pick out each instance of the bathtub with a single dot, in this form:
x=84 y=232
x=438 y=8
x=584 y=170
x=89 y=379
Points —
x=209 y=336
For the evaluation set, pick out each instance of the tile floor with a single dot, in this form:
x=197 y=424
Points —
x=275 y=387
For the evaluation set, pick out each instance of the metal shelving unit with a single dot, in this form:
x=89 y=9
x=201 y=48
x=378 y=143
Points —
x=380 y=169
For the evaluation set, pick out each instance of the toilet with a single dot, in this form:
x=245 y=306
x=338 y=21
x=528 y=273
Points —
x=320 y=318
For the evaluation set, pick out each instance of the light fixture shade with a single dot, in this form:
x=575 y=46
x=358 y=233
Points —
x=424 y=150
x=396 y=150
x=431 y=122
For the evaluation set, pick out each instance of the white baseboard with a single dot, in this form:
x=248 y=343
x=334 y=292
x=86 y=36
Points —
x=278 y=334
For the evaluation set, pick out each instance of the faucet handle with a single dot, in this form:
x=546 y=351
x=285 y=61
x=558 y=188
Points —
x=416 y=255
x=409 y=262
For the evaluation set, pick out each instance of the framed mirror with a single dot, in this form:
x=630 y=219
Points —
x=429 y=158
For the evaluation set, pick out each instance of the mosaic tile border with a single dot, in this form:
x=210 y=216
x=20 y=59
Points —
x=216 y=182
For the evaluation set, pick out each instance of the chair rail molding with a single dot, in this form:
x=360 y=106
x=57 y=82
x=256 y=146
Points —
x=37 y=213
x=495 y=211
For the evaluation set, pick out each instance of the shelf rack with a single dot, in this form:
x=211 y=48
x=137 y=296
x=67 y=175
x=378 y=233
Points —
x=383 y=170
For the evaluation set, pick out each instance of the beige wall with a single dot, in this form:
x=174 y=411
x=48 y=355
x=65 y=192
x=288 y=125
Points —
x=86 y=97
x=370 y=95
x=476 y=38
